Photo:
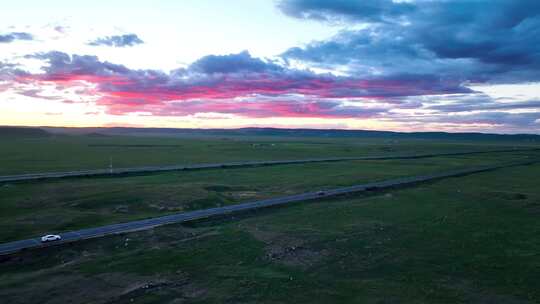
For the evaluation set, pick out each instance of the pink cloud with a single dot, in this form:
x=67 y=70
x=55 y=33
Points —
x=221 y=84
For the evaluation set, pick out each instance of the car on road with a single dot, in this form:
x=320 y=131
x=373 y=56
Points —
x=321 y=192
x=50 y=238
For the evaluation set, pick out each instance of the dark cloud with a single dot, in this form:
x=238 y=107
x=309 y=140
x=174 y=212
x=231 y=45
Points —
x=469 y=104
x=527 y=120
x=11 y=37
x=461 y=103
x=493 y=32
x=480 y=41
x=339 y=10
x=233 y=63
x=9 y=72
x=117 y=41
x=61 y=64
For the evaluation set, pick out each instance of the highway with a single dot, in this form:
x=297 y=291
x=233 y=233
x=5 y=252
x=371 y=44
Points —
x=151 y=169
x=67 y=237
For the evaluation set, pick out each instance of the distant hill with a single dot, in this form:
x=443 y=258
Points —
x=332 y=133
x=22 y=132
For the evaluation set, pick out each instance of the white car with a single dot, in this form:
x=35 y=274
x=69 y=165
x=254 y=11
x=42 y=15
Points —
x=50 y=238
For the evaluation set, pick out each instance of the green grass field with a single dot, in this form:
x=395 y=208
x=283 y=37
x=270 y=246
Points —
x=65 y=153
x=31 y=209
x=471 y=239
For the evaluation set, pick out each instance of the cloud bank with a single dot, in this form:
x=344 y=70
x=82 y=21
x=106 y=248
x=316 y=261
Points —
x=13 y=36
x=235 y=83
x=496 y=41
x=117 y=41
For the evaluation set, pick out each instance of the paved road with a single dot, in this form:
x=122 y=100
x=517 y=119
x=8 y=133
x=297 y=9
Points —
x=124 y=171
x=12 y=247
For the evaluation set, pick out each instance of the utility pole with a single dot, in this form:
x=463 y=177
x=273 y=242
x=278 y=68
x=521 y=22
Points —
x=110 y=165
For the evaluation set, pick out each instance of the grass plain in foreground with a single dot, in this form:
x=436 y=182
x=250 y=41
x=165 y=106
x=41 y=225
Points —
x=472 y=239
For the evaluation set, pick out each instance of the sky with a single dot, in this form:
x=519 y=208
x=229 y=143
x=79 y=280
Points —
x=417 y=65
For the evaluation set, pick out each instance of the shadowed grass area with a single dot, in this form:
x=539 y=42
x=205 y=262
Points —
x=472 y=239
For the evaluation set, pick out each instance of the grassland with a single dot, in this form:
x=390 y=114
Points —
x=473 y=239
x=31 y=209
x=65 y=153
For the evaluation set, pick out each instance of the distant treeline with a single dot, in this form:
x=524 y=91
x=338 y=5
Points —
x=333 y=133
x=317 y=133
x=22 y=132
